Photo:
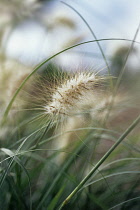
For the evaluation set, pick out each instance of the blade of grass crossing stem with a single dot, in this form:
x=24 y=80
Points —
x=44 y=62
x=81 y=184
x=93 y=34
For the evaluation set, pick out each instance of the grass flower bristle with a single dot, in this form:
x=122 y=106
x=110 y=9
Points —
x=69 y=96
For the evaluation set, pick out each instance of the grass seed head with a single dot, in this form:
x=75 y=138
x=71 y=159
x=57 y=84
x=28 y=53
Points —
x=72 y=93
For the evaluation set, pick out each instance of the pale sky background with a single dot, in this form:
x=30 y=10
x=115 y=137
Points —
x=31 y=43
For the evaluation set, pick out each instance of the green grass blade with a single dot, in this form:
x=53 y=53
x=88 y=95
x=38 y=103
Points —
x=81 y=184
x=63 y=169
x=54 y=201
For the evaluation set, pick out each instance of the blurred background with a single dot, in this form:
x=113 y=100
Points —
x=34 y=30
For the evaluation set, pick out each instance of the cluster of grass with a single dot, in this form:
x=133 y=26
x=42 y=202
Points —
x=97 y=167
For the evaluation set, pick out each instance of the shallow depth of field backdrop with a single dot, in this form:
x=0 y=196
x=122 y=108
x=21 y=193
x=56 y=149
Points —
x=69 y=104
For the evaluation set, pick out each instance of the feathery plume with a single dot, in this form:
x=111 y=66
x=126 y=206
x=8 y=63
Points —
x=69 y=97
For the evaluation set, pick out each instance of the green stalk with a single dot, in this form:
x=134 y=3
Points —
x=122 y=137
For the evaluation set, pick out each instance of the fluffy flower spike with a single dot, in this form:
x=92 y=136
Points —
x=69 y=96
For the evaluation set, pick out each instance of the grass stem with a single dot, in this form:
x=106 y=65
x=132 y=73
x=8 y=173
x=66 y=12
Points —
x=122 y=137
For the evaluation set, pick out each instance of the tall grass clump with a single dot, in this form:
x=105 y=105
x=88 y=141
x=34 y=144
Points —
x=69 y=140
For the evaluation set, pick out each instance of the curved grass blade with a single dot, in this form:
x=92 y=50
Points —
x=44 y=62
x=111 y=175
x=114 y=207
x=93 y=34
